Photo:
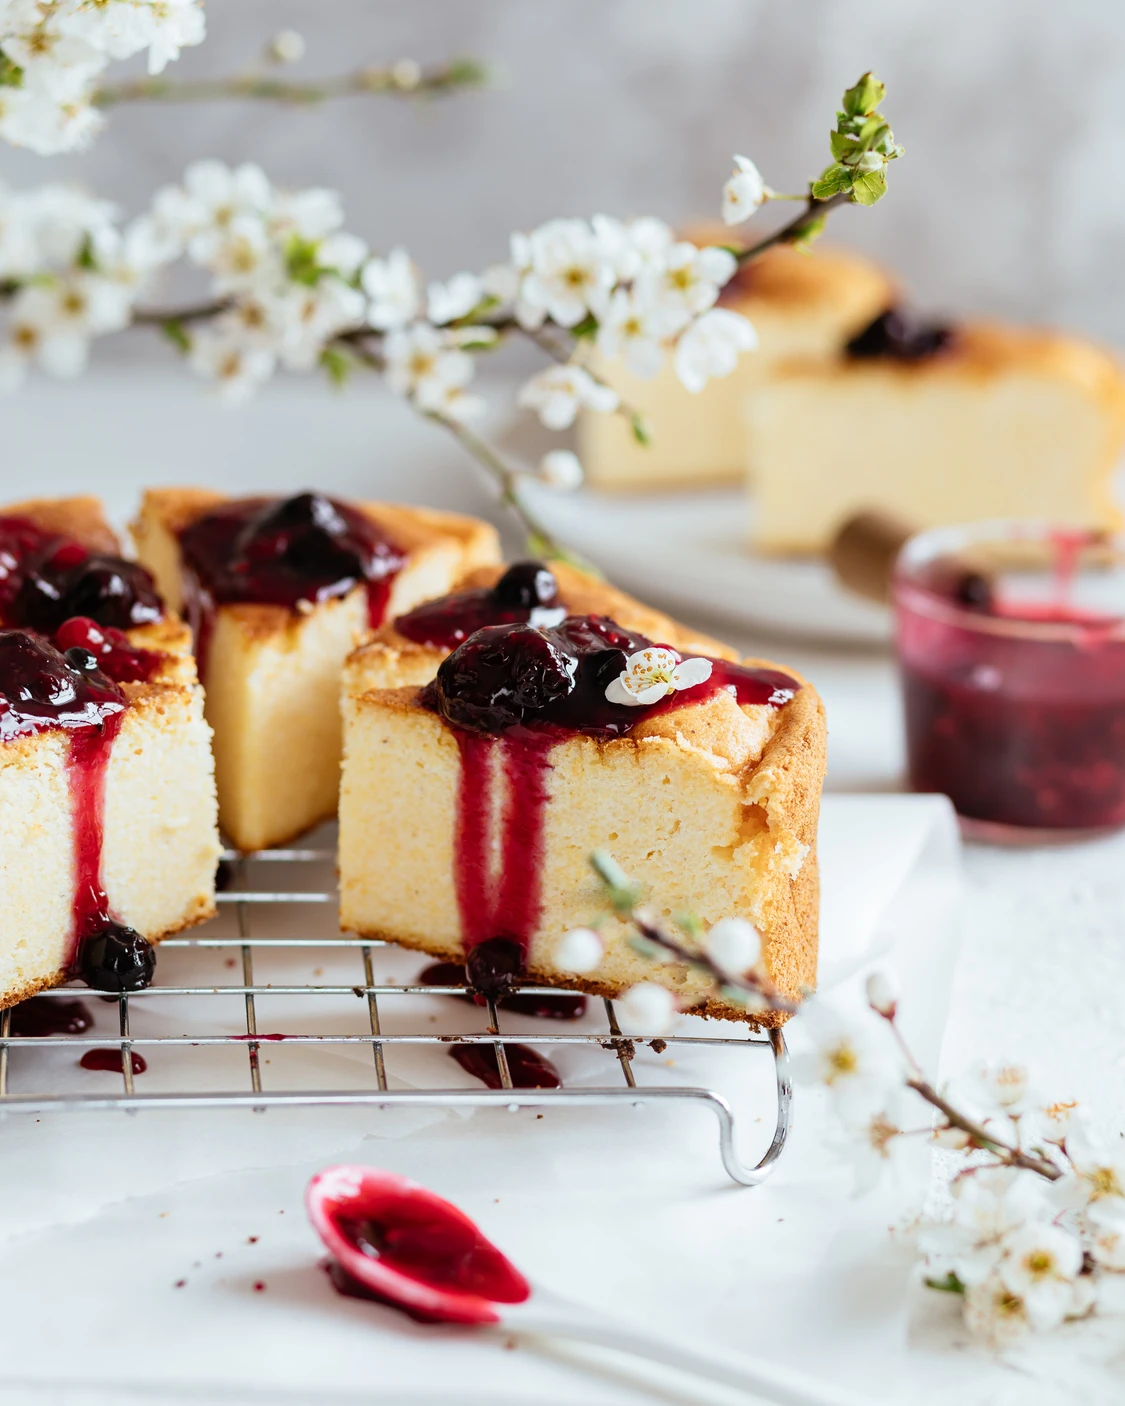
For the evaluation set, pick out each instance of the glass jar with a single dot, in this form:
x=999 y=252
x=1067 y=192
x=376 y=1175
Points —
x=1011 y=644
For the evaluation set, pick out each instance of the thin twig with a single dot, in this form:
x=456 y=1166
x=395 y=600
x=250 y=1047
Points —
x=194 y=312
x=1011 y=1156
x=393 y=80
x=797 y=228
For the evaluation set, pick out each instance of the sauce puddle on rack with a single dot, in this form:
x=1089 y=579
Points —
x=112 y=1061
x=44 y=1015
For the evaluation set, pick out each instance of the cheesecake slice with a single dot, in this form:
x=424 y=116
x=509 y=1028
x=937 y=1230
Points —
x=278 y=592
x=108 y=835
x=410 y=648
x=804 y=305
x=937 y=426
x=469 y=807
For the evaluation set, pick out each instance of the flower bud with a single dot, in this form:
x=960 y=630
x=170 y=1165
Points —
x=580 y=951
x=561 y=469
x=647 y=1009
x=734 y=945
x=287 y=46
x=882 y=994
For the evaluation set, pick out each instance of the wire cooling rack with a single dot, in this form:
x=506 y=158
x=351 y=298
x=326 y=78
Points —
x=269 y=916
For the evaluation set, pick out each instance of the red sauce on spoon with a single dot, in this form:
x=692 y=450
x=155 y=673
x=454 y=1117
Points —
x=393 y=1241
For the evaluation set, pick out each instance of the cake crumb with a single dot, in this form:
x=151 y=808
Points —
x=658 y=1046
x=538 y=1116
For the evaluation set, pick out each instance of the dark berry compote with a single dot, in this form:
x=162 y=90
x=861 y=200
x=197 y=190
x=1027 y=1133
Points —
x=527 y=593
x=42 y=689
x=897 y=336
x=515 y=692
x=284 y=551
x=109 y=649
x=554 y=680
x=1015 y=707
x=45 y=579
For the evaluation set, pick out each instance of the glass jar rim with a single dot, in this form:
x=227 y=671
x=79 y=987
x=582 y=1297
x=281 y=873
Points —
x=927 y=545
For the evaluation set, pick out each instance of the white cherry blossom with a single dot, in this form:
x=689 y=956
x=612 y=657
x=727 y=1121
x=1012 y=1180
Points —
x=1097 y=1175
x=287 y=46
x=1003 y=1088
x=561 y=469
x=882 y=994
x=557 y=393
x=177 y=24
x=1106 y=1221
x=634 y=329
x=55 y=65
x=580 y=951
x=308 y=317
x=425 y=366
x=688 y=280
x=342 y=252
x=312 y=214
x=237 y=367
x=568 y=276
x=711 y=346
x=392 y=286
x=646 y=1009
x=734 y=945
x=652 y=674
x=241 y=255
x=1040 y=1265
x=989 y=1205
x=634 y=247
x=743 y=192
x=446 y=302
x=995 y=1314
x=853 y=1059
x=870 y=1138
x=212 y=198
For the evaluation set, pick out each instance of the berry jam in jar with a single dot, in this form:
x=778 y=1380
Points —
x=1011 y=644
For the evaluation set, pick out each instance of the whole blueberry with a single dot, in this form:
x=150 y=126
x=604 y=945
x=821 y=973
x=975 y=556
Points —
x=526 y=586
x=494 y=966
x=117 y=958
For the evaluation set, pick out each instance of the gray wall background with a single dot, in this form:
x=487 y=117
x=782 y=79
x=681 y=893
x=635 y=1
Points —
x=1010 y=199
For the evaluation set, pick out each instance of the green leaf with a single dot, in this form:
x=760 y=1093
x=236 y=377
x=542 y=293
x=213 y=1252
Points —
x=865 y=97
x=176 y=333
x=85 y=259
x=301 y=260
x=338 y=364
x=833 y=180
x=843 y=145
x=640 y=429
x=11 y=75
x=869 y=187
x=588 y=327
x=949 y=1285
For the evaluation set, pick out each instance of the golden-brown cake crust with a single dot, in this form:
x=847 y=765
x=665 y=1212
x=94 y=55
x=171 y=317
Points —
x=81 y=518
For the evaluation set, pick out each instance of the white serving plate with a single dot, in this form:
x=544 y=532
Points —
x=689 y=550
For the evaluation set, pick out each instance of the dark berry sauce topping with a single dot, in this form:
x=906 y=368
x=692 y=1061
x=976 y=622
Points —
x=45 y=579
x=112 y=1061
x=397 y=1243
x=554 y=1005
x=42 y=689
x=46 y=1015
x=106 y=649
x=525 y=590
x=556 y=678
x=281 y=551
x=895 y=336
x=113 y=957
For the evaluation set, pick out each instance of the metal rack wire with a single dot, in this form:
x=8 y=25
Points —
x=259 y=907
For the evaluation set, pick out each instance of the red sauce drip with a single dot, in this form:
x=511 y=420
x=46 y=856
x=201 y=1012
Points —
x=555 y=1005
x=112 y=1062
x=397 y=1243
x=42 y=691
x=514 y=691
x=528 y=1069
x=281 y=551
x=45 y=1015
x=86 y=769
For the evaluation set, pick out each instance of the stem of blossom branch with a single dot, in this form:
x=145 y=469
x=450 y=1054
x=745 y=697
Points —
x=200 y=312
x=562 y=355
x=796 y=228
x=435 y=81
x=1011 y=1156
x=506 y=479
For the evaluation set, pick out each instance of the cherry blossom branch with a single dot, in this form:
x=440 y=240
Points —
x=755 y=987
x=403 y=79
x=802 y=229
x=978 y=1135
